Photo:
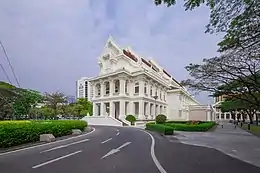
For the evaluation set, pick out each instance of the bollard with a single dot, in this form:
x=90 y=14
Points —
x=248 y=127
x=222 y=126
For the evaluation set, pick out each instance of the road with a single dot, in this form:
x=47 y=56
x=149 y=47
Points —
x=120 y=149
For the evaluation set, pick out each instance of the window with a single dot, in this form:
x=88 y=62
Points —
x=107 y=87
x=160 y=95
x=164 y=98
x=227 y=116
x=126 y=86
x=151 y=91
x=98 y=89
x=136 y=87
x=145 y=88
x=116 y=86
x=222 y=116
x=156 y=92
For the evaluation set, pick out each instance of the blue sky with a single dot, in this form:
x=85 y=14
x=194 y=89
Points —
x=52 y=43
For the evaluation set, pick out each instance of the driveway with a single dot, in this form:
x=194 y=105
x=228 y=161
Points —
x=232 y=141
x=120 y=150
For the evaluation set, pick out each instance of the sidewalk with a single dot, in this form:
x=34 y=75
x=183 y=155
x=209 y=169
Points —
x=237 y=142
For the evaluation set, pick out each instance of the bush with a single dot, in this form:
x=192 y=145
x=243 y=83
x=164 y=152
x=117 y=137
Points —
x=201 y=127
x=160 y=119
x=161 y=128
x=131 y=119
x=13 y=133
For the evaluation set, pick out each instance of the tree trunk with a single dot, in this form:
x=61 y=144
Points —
x=256 y=118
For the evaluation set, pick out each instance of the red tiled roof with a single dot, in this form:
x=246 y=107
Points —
x=166 y=73
x=128 y=54
x=147 y=63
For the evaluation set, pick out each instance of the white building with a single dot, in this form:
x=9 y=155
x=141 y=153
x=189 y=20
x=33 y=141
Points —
x=129 y=84
x=83 y=88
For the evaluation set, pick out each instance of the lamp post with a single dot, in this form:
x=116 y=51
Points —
x=155 y=98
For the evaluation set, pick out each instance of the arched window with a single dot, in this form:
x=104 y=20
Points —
x=117 y=86
x=98 y=87
x=107 y=87
x=136 y=87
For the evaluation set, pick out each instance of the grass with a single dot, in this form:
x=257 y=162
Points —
x=253 y=129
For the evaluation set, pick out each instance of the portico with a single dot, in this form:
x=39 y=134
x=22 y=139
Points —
x=122 y=94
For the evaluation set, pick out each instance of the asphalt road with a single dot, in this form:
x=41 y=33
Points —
x=120 y=150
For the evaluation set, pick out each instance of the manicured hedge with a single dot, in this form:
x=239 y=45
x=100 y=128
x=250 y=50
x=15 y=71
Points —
x=201 y=127
x=161 y=128
x=15 y=133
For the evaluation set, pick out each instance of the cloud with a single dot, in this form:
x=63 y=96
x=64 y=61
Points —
x=53 y=43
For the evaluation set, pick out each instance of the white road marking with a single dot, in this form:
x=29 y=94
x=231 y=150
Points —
x=155 y=160
x=113 y=151
x=106 y=141
x=117 y=133
x=117 y=130
x=36 y=146
x=58 y=147
x=57 y=159
x=63 y=146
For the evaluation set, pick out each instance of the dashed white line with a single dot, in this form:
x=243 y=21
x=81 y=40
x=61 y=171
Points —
x=117 y=133
x=155 y=160
x=63 y=146
x=106 y=141
x=57 y=159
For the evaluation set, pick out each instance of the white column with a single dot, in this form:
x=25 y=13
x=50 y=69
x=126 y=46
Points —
x=141 y=110
x=102 y=89
x=94 y=90
x=122 y=86
x=147 y=108
x=131 y=107
x=111 y=87
x=94 y=109
x=141 y=87
x=122 y=109
x=111 y=109
x=102 y=109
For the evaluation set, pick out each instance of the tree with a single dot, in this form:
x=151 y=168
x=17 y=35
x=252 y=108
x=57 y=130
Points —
x=55 y=99
x=27 y=100
x=238 y=19
x=87 y=105
x=227 y=75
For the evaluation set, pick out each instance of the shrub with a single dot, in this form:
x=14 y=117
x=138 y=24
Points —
x=160 y=119
x=202 y=127
x=131 y=119
x=161 y=128
x=13 y=133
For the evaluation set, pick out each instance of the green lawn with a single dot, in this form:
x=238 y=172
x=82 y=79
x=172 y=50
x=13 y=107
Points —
x=253 y=129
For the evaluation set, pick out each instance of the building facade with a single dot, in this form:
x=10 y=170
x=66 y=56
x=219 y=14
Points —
x=227 y=115
x=83 y=88
x=129 y=84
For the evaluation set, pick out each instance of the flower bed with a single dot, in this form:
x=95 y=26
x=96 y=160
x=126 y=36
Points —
x=14 y=133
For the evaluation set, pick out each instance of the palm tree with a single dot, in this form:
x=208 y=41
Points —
x=53 y=100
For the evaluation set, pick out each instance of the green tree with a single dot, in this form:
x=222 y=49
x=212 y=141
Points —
x=87 y=105
x=53 y=100
x=27 y=100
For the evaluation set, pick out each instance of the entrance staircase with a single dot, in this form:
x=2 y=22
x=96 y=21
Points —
x=102 y=121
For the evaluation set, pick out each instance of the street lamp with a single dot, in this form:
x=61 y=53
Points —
x=155 y=98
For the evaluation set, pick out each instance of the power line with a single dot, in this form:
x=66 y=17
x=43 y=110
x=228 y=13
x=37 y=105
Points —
x=6 y=56
x=2 y=67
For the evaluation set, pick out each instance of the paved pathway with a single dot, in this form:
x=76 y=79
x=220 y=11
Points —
x=234 y=142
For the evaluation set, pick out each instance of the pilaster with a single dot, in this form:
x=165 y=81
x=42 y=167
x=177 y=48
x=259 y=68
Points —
x=102 y=109
x=122 y=109
x=111 y=109
x=141 y=110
